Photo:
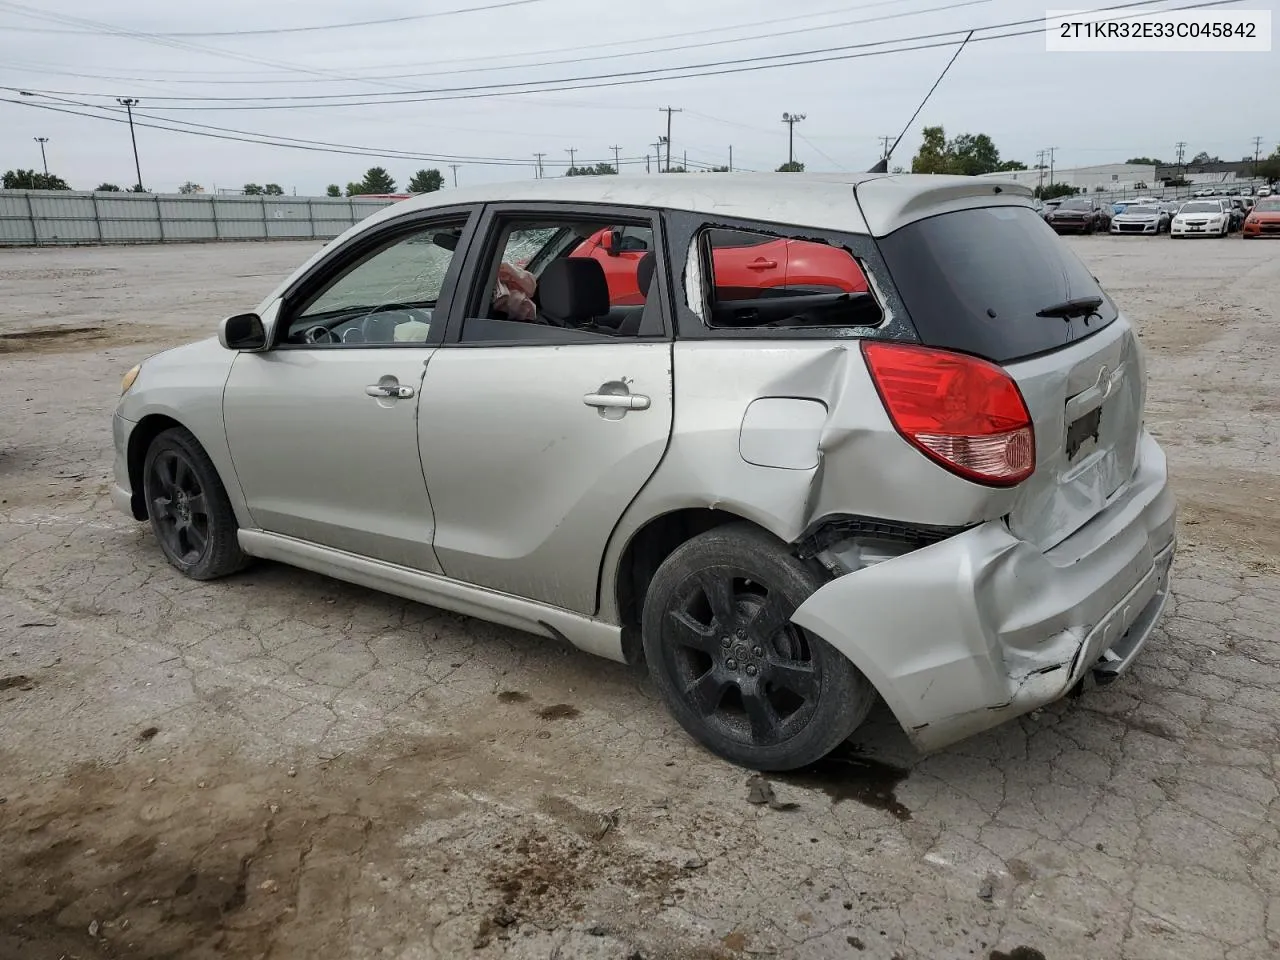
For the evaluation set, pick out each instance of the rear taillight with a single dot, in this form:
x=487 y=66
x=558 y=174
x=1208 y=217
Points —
x=964 y=413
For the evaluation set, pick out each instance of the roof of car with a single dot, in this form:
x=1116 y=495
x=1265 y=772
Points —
x=824 y=201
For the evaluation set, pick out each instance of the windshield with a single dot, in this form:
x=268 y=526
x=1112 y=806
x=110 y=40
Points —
x=1268 y=204
x=1077 y=205
x=1202 y=206
x=1141 y=211
x=974 y=281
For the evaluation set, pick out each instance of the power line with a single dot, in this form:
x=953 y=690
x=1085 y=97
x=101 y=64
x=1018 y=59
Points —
x=269 y=140
x=707 y=68
x=489 y=68
x=682 y=35
x=309 y=29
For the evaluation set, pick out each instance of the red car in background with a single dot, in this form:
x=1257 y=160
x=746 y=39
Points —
x=744 y=264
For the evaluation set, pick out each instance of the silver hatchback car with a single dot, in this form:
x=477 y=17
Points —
x=793 y=441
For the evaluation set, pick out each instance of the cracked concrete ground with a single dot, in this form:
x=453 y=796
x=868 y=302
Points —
x=282 y=766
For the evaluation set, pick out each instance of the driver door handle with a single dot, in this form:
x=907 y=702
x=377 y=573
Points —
x=392 y=390
x=614 y=401
x=762 y=264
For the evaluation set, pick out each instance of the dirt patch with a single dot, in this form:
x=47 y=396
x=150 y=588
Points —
x=513 y=696
x=58 y=339
x=18 y=681
x=1232 y=507
x=559 y=711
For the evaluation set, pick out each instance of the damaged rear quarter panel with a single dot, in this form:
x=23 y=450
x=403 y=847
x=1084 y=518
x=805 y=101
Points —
x=864 y=467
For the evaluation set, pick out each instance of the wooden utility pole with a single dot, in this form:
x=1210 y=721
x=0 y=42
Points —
x=669 y=111
x=617 y=159
x=538 y=169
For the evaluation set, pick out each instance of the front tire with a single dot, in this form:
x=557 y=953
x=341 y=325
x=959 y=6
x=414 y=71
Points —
x=734 y=671
x=190 y=513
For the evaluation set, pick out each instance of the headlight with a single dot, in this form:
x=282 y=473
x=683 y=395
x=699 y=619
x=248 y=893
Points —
x=129 y=377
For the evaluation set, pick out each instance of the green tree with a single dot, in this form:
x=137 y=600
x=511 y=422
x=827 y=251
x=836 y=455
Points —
x=972 y=154
x=1270 y=167
x=426 y=181
x=273 y=190
x=791 y=166
x=1146 y=162
x=1203 y=157
x=377 y=180
x=137 y=188
x=596 y=170
x=333 y=190
x=969 y=154
x=32 y=180
x=190 y=187
x=106 y=188
x=1051 y=190
x=719 y=170
x=932 y=156
x=676 y=169
x=355 y=188
x=252 y=190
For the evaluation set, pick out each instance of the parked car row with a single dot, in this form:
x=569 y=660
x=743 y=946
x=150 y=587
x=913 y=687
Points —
x=1207 y=216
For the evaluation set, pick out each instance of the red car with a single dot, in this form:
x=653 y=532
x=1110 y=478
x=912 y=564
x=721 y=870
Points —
x=744 y=264
x=1263 y=219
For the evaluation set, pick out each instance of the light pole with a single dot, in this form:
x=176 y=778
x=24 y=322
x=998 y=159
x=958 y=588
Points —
x=129 y=103
x=791 y=119
x=43 y=160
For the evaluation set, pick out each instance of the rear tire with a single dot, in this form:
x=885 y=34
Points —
x=734 y=671
x=190 y=513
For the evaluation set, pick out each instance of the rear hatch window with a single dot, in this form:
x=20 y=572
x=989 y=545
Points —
x=977 y=280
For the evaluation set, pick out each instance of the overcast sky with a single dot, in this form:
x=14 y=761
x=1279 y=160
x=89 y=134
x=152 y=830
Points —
x=1095 y=108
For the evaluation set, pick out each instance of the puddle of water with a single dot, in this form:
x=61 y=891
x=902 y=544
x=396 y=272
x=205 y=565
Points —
x=845 y=775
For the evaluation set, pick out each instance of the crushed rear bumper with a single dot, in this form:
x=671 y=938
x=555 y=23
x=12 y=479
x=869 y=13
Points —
x=982 y=627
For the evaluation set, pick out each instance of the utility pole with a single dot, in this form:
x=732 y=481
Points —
x=454 y=168
x=1257 y=150
x=686 y=161
x=538 y=169
x=572 y=152
x=886 y=143
x=657 y=152
x=1040 y=168
x=646 y=161
x=129 y=103
x=617 y=159
x=1181 y=147
x=1051 y=151
x=791 y=119
x=43 y=140
x=731 y=158
x=669 y=111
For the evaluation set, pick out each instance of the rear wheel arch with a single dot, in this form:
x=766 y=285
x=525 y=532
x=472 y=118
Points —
x=648 y=547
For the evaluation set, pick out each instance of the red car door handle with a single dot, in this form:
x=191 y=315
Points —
x=762 y=265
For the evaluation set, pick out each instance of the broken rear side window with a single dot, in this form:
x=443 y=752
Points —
x=759 y=279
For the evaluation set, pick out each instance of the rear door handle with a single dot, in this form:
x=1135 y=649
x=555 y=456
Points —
x=615 y=401
x=762 y=265
x=395 y=391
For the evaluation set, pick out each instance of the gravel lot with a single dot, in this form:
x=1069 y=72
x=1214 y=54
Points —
x=282 y=766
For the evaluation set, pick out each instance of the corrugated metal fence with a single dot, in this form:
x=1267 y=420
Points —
x=39 y=217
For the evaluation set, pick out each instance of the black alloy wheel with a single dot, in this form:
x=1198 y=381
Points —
x=738 y=675
x=189 y=510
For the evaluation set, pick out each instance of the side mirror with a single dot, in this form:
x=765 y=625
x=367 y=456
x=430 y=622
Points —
x=244 y=331
x=611 y=242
